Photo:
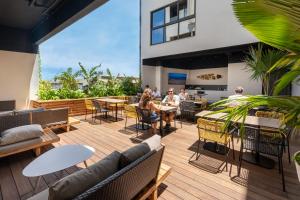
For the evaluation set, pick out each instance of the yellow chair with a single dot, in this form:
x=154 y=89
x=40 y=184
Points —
x=276 y=133
x=210 y=130
x=130 y=112
x=89 y=106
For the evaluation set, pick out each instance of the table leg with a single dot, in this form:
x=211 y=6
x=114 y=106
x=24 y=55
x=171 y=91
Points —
x=37 y=184
x=85 y=164
x=161 y=124
x=116 y=112
x=107 y=109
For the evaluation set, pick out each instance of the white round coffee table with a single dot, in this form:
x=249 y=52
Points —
x=58 y=159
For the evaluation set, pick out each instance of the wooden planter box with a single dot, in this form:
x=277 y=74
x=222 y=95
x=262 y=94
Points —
x=76 y=106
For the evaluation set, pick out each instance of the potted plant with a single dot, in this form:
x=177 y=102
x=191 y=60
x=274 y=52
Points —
x=297 y=163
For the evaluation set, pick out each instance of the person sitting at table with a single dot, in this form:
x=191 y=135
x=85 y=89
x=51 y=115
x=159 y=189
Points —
x=170 y=100
x=155 y=93
x=234 y=98
x=183 y=95
x=147 y=103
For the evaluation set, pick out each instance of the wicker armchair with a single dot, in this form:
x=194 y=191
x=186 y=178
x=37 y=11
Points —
x=209 y=130
x=287 y=130
x=130 y=112
x=266 y=142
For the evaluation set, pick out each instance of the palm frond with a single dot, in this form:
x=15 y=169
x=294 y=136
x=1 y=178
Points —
x=274 y=22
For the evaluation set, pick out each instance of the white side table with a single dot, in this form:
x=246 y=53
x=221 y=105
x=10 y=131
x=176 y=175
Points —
x=58 y=159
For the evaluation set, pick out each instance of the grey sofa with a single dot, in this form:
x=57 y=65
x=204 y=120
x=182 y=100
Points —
x=119 y=178
x=45 y=118
x=12 y=121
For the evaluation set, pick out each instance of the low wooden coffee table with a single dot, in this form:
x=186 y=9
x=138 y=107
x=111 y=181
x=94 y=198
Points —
x=58 y=159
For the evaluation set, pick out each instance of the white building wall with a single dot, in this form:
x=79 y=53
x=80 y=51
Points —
x=17 y=76
x=239 y=76
x=296 y=88
x=216 y=27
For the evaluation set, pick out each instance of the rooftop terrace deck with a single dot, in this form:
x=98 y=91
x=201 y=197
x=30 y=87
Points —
x=184 y=182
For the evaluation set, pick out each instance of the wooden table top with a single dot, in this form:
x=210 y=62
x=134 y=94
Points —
x=112 y=100
x=250 y=120
x=160 y=107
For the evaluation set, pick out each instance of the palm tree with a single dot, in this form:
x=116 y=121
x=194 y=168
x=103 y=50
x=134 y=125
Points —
x=89 y=75
x=260 y=61
x=68 y=79
x=276 y=23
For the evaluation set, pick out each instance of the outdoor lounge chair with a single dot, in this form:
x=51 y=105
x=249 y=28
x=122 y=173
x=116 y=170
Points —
x=132 y=174
x=210 y=130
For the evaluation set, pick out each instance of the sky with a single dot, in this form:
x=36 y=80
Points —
x=108 y=36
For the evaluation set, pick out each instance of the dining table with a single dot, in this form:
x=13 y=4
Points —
x=112 y=101
x=252 y=121
x=162 y=109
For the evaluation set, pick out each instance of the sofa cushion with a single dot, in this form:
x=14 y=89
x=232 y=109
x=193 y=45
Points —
x=21 y=133
x=80 y=181
x=154 y=142
x=6 y=149
x=133 y=154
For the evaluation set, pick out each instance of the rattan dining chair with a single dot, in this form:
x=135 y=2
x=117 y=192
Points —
x=188 y=110
x=130 y=112
x=144 y=117
x=99 y=109
x=286 y=130
x=89 y=106
x=266 y=142
x=210 y=130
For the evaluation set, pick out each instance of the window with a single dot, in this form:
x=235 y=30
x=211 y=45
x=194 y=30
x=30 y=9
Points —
x=158 y=18
x=173 y=22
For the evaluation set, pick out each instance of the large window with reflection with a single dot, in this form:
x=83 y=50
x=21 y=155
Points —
x=174 y=21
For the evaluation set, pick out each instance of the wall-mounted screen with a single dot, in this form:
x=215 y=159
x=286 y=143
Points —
x=177 y=79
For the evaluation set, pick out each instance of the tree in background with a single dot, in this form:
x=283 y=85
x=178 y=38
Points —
x=68 y=79
x=130 y=85
x=113 y=84
x=260 y=61
x=89 y=75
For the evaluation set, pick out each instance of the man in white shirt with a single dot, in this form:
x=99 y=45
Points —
x=155 y=93
x=170 y=100
x=234 y=98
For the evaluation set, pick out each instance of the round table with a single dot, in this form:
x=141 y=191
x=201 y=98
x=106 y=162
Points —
x=58 y=159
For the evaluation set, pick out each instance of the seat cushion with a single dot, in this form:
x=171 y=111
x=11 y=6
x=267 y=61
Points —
x=133 y=154
x=80 y=181
x=40 y=196
x=6 y=149
x=21 y=133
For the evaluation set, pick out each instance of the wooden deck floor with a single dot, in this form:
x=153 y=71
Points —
x=185 y=181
